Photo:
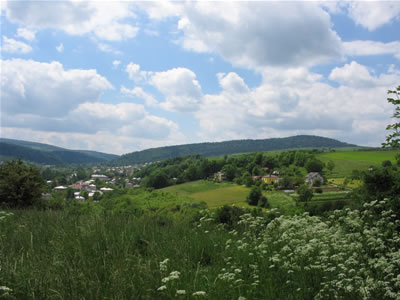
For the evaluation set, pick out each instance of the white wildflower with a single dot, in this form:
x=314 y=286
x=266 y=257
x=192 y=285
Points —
x=199 y=293
x=181 y=292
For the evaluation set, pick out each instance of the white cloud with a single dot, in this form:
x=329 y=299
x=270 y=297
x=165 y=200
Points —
x=181 y=89
x=179 y=86
x=26 y=34
x=232 y=82
x=128 y=121
x=60 y=48
x=116 y=63
x=46 y=89
x=13 y=46
x=359 y=76
x=135 y=73
x=109 y=49
x=364 y=48
x=302 y=107
x=261 y=34
x=373 y=14
x=118 y=144
x=138 y=92
x=104 y=20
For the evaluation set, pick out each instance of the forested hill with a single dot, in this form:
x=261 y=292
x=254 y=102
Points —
x=228 y=147
x=48 y=154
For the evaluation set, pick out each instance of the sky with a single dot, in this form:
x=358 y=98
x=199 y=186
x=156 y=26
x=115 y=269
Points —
x=119 y=77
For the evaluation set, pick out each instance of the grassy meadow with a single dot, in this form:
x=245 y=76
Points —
x=65 y=255
x=213 y=194
x=347 y=161
x=219 y=194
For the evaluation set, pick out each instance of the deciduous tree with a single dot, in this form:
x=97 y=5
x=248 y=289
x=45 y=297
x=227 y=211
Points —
x=393 y=139
x=21 y=185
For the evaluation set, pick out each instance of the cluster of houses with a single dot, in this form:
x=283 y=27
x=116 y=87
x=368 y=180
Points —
x=91 y=187
x=273 y=178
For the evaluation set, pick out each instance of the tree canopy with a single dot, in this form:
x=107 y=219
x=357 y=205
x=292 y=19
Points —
x=393 y=139
x=21 y=185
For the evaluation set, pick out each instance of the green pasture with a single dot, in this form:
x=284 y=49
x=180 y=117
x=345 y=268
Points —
x=192 y=187
x=368 y=156
x=340 y=182
x=220 y=194
x=214 y=194
x=281 y=200
x=347 y=161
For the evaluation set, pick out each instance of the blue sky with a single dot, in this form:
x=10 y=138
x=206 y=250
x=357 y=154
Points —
x=124 y=76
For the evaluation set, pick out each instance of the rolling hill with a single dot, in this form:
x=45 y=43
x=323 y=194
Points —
x=228 y=147
x=49 y=154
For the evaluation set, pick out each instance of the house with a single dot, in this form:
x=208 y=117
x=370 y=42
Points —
x=314 y=176
x=105 y=189
x=99 y=176
x=270 y=179
x=60 y=188
x=219 y=176
x=91 y=187
x=256 y=178
x=77 y=186
x=80 y=198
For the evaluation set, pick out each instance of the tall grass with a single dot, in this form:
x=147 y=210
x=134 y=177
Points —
x=60 y=255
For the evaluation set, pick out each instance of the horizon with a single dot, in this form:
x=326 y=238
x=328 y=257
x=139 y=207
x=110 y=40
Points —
x=129 y=76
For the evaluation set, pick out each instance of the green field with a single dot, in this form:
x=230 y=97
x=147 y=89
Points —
x=368 y=156
x=214 y=194
x=347 y=161
x=220 y=194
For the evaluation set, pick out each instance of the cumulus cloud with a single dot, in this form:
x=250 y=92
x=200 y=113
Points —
x=121 y=120
x=259 y=34
x=13 y=46
x=309 y=107
x=26 y=34
x=364 y=48
x=46 y=89
x=232 y=82
x=135 y=73
x=181 y=89
x=359 y=76
x=118 y=144
x=373 y=14
x=179 y=86
x=105 y=20
x=138 y=92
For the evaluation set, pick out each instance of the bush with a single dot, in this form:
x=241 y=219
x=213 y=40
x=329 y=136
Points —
x=318 y=190
x=254 y=196
x=228 y=215
x=21 y=185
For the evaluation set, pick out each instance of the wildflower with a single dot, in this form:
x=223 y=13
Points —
x=5 y=289
x=241 y=298
x=162 y=288
x=180 y=292
x=199 y=293
x=163 y=265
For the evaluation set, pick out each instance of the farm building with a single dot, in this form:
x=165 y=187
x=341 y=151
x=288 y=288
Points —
x=219 y=176
x=314 y=176
x=270 y=179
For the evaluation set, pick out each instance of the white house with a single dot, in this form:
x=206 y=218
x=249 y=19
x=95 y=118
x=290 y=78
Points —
x=313 y=176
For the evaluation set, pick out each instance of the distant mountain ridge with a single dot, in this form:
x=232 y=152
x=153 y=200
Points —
x=228 y=147
x=49 y=154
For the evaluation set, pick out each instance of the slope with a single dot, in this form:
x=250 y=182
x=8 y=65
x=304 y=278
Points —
x=228 y=147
